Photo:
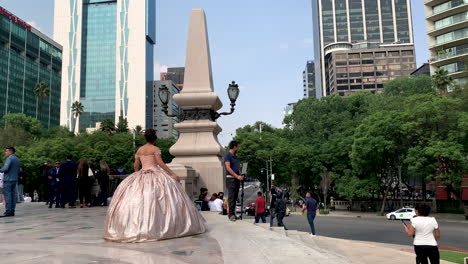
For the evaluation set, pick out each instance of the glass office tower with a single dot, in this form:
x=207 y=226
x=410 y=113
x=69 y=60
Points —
x=339 y=24
x=28 y=57
x=108 y=57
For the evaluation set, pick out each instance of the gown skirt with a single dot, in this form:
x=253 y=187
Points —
x=150 y=205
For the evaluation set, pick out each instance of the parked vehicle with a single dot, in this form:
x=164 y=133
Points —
x=250 y=210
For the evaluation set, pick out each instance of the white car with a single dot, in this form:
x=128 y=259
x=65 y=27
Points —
x=403 y=213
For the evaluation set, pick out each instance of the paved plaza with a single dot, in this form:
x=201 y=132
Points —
x=41 y=235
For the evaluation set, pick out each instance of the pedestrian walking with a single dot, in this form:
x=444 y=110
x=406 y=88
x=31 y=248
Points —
x=84 y=182
x=280 y=209
x=102 y=176
x=260 y=208
x=54 y=187
x=425 y=231
x=11 y=170
x=311 y=207
x=67 y=176
x=21 y=181
x=233 y=178
x=273 y=197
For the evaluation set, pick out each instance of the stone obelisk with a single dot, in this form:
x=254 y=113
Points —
x=198 y=145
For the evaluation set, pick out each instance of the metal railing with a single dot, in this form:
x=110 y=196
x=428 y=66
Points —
x=448 y=55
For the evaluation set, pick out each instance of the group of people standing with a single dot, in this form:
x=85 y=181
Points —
x=69 y=180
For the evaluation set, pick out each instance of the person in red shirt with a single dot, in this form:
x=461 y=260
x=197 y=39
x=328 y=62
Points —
x=260 y=208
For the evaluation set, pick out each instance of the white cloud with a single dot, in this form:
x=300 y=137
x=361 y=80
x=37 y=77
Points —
x=34 y=25
x=158 y=68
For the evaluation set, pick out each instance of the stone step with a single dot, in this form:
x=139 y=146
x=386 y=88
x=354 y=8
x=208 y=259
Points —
x=279 y=230
x=265 y=226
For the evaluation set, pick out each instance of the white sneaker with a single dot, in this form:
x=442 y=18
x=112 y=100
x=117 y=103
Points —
x=312 y=235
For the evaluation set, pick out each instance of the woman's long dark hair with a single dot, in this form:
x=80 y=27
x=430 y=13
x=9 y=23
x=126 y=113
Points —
x=83 y=167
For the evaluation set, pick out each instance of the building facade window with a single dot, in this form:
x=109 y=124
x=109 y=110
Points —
x=453 y=35
x=327 y=22
x=447 y=5
x=451 y=20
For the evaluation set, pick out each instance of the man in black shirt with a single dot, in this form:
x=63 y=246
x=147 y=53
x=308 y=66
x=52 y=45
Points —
x=233 y=178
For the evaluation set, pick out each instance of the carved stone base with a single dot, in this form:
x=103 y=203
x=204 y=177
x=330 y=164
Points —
x=188 y=178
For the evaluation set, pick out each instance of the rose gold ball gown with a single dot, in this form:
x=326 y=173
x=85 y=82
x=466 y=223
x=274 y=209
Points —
x=150 y=205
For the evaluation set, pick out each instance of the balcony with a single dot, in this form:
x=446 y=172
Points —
x=447 y=28
x=448 y=12
x=442 y=59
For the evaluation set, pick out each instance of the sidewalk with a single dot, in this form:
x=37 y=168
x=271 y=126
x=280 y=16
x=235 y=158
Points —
x=40 y=235
x=454 y=218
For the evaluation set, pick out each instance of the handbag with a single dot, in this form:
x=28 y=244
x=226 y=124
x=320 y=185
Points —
x=1 y=179
x=91 y=175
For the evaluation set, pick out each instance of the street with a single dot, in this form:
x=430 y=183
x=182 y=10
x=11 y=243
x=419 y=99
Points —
x=367 y=229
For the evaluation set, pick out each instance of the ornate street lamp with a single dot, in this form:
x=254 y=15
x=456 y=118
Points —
x=164 y=95
x=196 y=114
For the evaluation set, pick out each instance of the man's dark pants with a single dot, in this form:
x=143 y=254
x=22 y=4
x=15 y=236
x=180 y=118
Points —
x=9 y=190
x=68 y=193
x=280 y=217
x=54 y=194
x=232 y=185
x=310 y=219
x=260 y=216
x=272 y=216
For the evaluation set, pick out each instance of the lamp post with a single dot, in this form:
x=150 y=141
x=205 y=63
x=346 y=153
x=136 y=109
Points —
x=198 y=113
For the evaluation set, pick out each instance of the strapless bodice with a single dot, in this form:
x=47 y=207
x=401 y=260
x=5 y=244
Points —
x=148 y=161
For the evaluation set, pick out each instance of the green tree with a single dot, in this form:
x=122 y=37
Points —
x=13 y=136
x=442 y=81
x=379 y=150
x=122 y=126
x=407 y=86
x=77 y=109
x=41 y=91
x=24 y=122
x=108 y=126
x=439 y=143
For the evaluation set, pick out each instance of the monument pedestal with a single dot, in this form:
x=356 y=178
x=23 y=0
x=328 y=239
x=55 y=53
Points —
x=198 y=145
x=188 y=178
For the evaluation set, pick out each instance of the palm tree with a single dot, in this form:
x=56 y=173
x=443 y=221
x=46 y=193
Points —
x=77 y=109
x=108 y=126
x=138 y=130
x=41 y=91
x=441 y=80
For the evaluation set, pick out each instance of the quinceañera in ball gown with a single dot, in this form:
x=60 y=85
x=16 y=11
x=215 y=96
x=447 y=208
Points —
x=151 y=204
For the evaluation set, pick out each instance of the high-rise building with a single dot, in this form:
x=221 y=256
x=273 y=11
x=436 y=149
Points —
x=28 y=57
x=367 y=67
x=174 y=74
x=341 y=24
x=107 y=60
x=447 y=32
x=308 y=80
x=163 y=124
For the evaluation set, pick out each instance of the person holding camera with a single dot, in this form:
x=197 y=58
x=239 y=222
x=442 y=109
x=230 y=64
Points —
x=233 y=178
x=425 y=231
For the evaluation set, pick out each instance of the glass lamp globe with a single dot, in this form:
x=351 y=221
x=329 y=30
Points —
x=233 y=91
x=163 y=94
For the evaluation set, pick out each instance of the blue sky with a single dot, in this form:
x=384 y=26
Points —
x=263 y=45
